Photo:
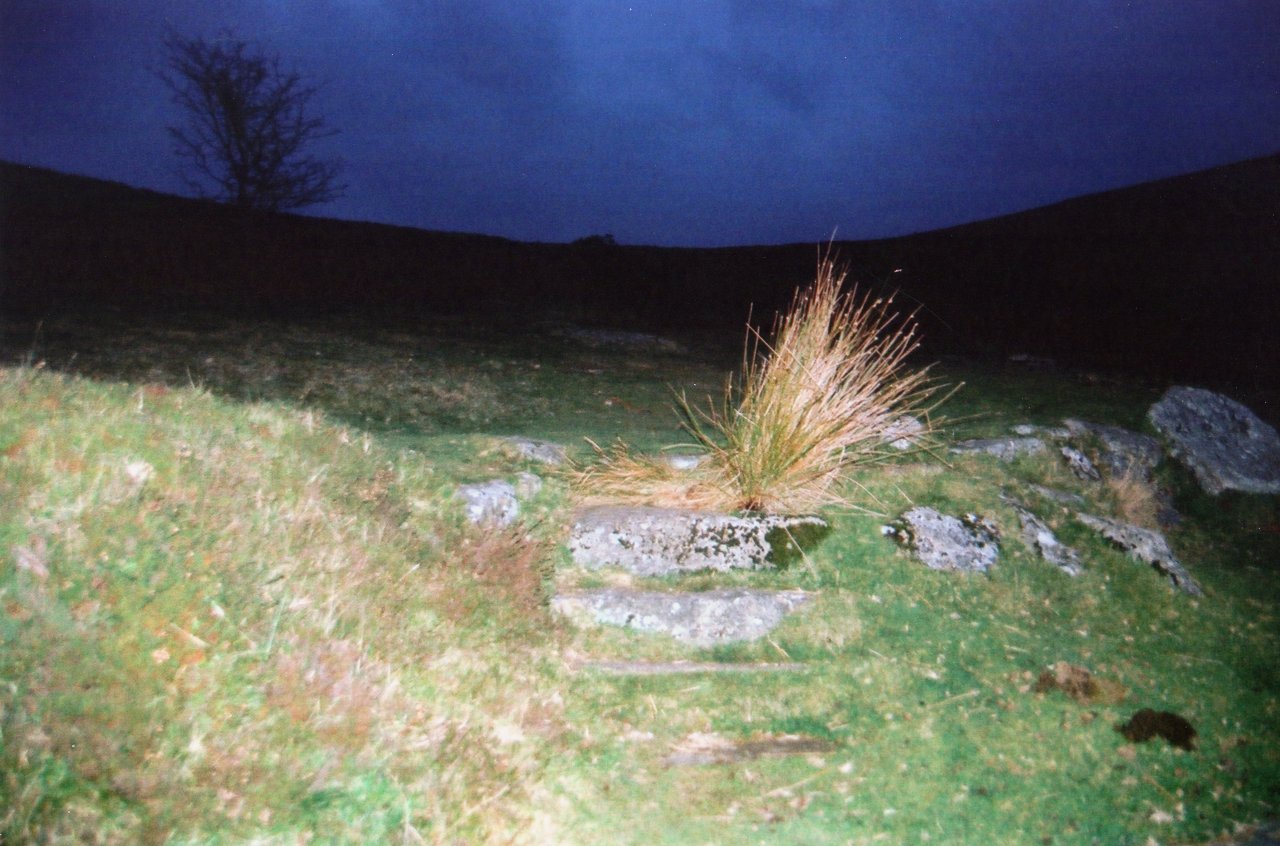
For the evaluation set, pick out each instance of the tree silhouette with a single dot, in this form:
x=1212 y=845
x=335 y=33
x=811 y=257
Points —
x=247 y=127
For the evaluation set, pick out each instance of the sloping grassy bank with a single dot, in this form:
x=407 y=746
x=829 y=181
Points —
x=228 y=621
x=239 y=604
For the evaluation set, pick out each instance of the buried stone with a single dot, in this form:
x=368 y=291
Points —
x=543 y=452
x=497 y=502
x=649 y=541
x=1120 y=451
x=706 y=618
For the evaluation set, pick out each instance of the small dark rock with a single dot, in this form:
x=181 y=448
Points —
x=1146 y=724
x=1039 y=538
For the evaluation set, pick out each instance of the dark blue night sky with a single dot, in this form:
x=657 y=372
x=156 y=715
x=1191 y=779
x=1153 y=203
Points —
x=683 y=122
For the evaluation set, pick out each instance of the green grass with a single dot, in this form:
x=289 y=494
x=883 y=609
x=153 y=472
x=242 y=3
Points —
x=238 y=604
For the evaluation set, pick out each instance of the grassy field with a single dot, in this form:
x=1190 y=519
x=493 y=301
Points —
x=239 y=603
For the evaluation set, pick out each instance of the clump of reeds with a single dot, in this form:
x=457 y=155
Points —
x=813 y=402
x=1135 y=499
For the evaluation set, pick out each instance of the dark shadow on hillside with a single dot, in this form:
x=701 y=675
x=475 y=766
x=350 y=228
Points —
x=1175 y=280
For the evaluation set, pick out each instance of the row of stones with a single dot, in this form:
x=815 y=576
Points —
x=1207 y=432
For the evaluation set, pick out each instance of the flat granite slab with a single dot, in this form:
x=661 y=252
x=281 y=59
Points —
x=649 y=541
x=704 y=618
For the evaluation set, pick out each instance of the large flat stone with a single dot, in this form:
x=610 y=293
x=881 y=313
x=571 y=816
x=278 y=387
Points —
x=704 y=618
x=652 y=541
x=1222 y=442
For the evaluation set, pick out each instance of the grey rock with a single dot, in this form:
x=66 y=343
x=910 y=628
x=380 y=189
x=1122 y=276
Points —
x=675 y=668
x=651 y=541
x=943 y=542
x=1147 y=546
x=682 y=460
x=1005 y=449
x=543 y=452
x=528 y=485
x=491 y=502
x=1040 y=539
x=1222 y=442
x=903 y=433
x=1080 y=465
x=1050 y=432
x=1121 y=452
x=706 y=618
x=1060 y=497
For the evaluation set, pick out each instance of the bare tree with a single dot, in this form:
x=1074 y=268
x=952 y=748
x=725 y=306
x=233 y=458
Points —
x=247 y=127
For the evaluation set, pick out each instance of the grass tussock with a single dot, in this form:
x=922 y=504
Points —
x=1135 y=499
x=825 y=395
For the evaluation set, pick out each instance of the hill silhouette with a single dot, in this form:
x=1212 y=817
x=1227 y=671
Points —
x=1176 y=279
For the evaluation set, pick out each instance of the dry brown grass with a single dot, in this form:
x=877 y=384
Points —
x=809 y=406
x=499 y=575
x=225 y=619
x=621 y=475
x=1135 y=500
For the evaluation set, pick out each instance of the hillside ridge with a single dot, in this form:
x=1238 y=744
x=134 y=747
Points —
x=1173 y=278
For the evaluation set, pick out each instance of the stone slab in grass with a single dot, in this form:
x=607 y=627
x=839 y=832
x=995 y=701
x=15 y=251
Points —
x=544 y=452
x=705 y=618
x=1146 y=545
x=678 y=668
x=1222 y=442
x=943 y=542
x=1121 y=451
x=1005 y=449
x=1040 y=539
x=650 y=541
x=493 y=502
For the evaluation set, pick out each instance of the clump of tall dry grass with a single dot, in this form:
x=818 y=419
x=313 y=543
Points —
x=812 y=403
x=1135 y=499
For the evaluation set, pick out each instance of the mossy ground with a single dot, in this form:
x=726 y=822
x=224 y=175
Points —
x=238 y=603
